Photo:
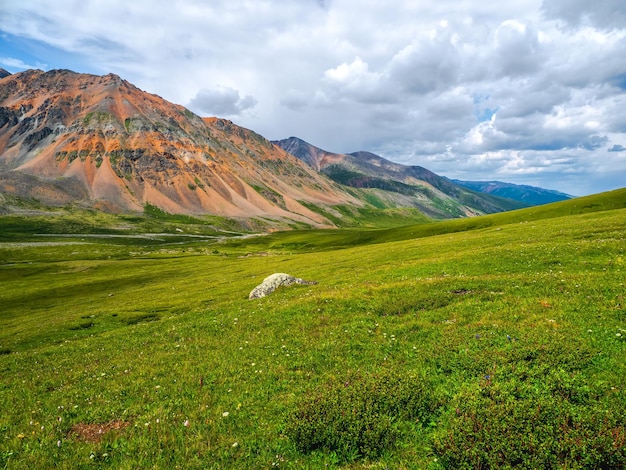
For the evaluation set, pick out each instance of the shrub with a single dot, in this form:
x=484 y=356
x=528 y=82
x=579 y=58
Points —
x=359 y=417
x=509 y=423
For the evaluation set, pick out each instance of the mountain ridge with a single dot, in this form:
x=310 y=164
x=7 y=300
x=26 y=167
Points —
x=99 y=141
x=532 y=195
x=125 y=148
x=414 y=186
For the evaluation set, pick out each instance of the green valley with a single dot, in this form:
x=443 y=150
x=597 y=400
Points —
x=487 y=342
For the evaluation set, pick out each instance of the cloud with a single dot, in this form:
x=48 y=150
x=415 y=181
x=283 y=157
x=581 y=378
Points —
x=295 y=100
x=526 y=92
x=602 y=14
x=518 y=50
x=427 y=65
x=19 y=64
x=221 y=101
x=617 y=148
x=355 y=81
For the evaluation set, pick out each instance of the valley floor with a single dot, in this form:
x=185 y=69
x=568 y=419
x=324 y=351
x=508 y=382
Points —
x=497 y=347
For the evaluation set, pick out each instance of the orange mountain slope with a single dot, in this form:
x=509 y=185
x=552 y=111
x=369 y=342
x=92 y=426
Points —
x=116 y=147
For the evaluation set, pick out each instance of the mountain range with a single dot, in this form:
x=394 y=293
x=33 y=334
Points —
x=67 y=137
x=397 y=184
x=101 y=142
x=530 y=195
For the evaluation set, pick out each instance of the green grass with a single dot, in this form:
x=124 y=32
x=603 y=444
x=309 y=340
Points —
x=54 y=224
x=484 y=343
x=368 y=217
x=334 y=239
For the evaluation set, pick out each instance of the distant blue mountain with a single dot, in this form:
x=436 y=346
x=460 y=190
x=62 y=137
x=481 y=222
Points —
x=531 y=195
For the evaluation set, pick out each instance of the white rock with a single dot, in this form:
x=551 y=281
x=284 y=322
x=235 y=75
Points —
x=271 y=283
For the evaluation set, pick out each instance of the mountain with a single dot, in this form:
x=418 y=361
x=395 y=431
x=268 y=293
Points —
x=100 y=141
x=531 y=195
x=398 y=185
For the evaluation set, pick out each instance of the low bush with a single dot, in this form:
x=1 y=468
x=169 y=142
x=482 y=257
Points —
x=552 y=423
x=360 y=417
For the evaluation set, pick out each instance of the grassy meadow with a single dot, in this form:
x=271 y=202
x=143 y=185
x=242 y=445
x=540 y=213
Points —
x=493 y=342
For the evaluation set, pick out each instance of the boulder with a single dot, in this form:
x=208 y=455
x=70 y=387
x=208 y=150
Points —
x=271 y=283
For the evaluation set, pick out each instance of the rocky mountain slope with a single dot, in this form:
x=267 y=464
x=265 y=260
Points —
x=67 y=137
x=397 y=184
x=531 y=195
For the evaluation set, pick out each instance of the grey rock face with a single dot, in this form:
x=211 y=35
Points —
x=271 y=283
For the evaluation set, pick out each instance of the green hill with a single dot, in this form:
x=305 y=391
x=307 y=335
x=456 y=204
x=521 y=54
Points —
x=493 y=342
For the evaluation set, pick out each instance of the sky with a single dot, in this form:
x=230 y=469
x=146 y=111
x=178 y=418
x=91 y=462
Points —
x=527 y=91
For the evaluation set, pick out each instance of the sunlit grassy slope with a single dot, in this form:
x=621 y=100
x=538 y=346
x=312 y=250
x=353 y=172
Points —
x=332 y=239
x=479 y=343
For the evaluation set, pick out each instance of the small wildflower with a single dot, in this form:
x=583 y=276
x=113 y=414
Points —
x=235 y=444
x=186 y=423
x=225 y=414
x=59 y=443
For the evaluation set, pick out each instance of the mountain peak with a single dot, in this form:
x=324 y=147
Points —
x=127 y=148
x=399 y=185
x=4 y=73
x=311 y=155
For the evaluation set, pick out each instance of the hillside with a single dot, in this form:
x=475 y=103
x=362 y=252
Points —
x=100 y=141
x=530 y=195
x=321 y=240
x=397 y=184
x=489 y=342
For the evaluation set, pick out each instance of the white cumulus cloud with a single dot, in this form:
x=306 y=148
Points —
x=533 y=91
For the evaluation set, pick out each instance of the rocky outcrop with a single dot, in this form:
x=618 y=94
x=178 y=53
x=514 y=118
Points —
x=273 y=282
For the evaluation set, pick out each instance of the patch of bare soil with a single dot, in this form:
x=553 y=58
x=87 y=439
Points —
x=94 y=432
